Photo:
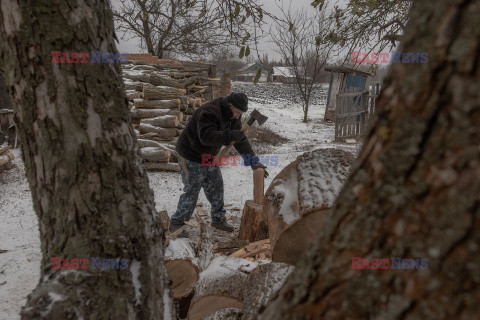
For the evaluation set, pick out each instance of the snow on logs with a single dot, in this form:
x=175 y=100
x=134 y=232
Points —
x=182 y=267
x=262 y=283
x=220 y=286
x=300 y=198
x=162 y=99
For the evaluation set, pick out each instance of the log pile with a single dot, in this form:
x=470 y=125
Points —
x=162 y=98
x=216 y=278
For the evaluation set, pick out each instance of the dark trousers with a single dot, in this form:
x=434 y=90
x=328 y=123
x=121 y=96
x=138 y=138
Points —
x=210 y=178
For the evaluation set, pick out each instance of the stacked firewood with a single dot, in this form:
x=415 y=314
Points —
x=162 y=99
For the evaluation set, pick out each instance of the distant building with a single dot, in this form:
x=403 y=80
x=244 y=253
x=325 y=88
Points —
x=249 y=72
x=345 y=79
x=283 y=75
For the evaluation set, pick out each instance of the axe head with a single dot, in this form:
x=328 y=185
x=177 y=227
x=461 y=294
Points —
x=257 y=116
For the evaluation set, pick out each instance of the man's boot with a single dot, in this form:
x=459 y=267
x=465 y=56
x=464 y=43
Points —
x=174 y=227
x=224 y=226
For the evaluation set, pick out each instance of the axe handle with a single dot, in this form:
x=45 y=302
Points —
x=222 y=152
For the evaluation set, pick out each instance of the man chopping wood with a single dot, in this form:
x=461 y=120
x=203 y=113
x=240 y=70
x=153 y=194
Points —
x=215 y=124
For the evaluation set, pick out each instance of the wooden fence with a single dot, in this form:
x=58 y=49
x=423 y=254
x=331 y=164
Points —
x=353 y=112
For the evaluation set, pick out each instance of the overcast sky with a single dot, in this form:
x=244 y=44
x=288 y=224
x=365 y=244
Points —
x=132 y=45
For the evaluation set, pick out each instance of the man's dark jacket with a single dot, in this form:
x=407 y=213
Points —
x=208 y=130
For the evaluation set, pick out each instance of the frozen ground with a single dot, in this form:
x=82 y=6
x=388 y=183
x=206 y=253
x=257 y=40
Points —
x=20 y=263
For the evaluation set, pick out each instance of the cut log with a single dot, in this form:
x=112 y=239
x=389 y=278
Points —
x=156 y=137
x=138 y=76
x=253 y=226
x=162 y=93
x=5 y=149
x=162 y=166
x=225 y=314
x=132 y=96
x=262 y=283
x=258 y=185
x=252 y=249
x=182 y=267
x=152 y=113
x=165 y=219
x=189 y=111
x=157 y=104
x=6 y=158
x=162 y=121
x=144 y=143
x=228 y=247
x=205 y=241
x=158 y=79
x=299 y=199
x=165 y=133
x=220 y=286
x=154 y=154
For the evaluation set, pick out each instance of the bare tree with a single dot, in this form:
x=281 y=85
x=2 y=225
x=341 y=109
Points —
x=192 y=27
x=413 y=193
x=299 y=39
x=171 y=25
x=90 y=192
x=373 y=25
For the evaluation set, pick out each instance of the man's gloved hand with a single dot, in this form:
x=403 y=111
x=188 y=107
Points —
x=259 y=165
x=238 y=135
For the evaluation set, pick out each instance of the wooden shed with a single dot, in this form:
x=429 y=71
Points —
x=345 y=79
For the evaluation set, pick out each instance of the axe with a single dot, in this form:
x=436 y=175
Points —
x=254 y=116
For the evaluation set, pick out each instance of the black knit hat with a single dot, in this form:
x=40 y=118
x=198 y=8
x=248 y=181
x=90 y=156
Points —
x=239 y=101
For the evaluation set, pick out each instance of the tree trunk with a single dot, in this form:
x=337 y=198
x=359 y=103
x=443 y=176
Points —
x=91 y=196
x=413 y=193
x=305 y=112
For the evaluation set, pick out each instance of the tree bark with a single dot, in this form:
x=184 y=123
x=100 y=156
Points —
x=413 y=192
x=90 y=193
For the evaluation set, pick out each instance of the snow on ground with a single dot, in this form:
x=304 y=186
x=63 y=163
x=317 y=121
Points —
x=20 y=265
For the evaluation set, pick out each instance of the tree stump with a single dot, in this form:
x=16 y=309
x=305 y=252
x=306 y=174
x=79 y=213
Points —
x=253 y=226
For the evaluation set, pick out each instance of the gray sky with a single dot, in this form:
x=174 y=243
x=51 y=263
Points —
x=132 y=45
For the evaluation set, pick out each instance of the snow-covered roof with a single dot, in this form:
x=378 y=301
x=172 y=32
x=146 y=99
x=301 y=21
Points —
x=255 y=64
x=283 y=71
